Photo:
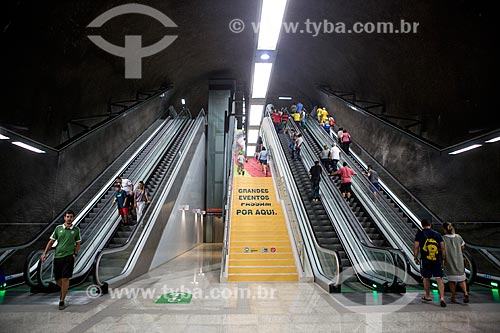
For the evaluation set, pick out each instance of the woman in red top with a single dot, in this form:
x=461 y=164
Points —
x=345 y=141
x=345 y=180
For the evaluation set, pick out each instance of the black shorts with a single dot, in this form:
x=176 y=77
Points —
x=63 y=267
x=431 y=269
x=263 y=162
x=345 y=187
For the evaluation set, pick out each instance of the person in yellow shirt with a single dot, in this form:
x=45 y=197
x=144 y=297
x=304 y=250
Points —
x=296 y=117
x=324 y=115
x=319 y=113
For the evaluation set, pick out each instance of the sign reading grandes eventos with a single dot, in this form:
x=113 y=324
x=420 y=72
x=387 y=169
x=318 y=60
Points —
x=255 y=197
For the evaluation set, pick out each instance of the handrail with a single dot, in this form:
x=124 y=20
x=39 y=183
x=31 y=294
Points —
x=361 y=186
x=326 y=90
x=383 y=221
x=60 y=148
x=359 y=253
x=104 y=232
x=143 y=237
x=313 y=249
x=227 y=219
x=7 y=251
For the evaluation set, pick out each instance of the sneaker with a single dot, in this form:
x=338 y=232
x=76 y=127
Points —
x=62 y=306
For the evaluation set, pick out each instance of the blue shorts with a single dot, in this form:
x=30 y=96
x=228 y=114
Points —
x=375 y=187
x=431 y=269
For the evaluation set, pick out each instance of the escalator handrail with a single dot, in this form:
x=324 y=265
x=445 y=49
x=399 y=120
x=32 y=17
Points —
x=399 y=235
x=359 y=185
x=227 y=224
x=299 y=209
x=350 y=247
x=403 y=207
x=124 y=246
x=155 y=210
x=106 y=231
x=105 y=235
x=392 y=235
x=61 y=215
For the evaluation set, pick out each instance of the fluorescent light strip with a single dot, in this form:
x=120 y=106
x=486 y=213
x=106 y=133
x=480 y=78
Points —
x=261 y=77
x=271 y=20
x=464 y=149
x=493 y=140
x=252 y=136
x=286 y=98
x=28 y=147
x=256 y=114
x=3 y=137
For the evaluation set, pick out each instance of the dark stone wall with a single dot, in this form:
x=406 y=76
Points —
x=55 y=73
x=461 y=187
x=445 y=74
x=36 y=187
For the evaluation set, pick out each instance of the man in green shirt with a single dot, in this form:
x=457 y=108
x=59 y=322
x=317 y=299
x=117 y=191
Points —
x=68 y=245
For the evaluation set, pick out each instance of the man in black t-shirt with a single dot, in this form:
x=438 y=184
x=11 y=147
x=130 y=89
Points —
x=430 y=244
x=315 y=177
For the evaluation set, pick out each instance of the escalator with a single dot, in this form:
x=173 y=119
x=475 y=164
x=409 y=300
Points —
x=378 y=268
x=365 y=220
x=399 y=224
x=12 y=258
x=101 y=226
x=323 y=229
x=115 y=265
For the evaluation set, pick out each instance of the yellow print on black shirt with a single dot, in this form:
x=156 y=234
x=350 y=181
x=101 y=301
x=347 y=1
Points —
x=431 y=247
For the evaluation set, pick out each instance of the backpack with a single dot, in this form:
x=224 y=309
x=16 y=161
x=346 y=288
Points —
x=332 y=122
x=430 y=249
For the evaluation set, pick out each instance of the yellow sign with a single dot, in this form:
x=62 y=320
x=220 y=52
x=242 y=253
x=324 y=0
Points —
x=259 y=243
x=254 y=197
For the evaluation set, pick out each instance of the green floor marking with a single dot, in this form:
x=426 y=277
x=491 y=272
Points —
x=175 y=298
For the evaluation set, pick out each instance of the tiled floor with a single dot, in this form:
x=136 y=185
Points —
x=233 y=307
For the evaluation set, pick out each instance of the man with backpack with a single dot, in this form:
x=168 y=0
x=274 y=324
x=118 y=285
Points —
x=432 y=259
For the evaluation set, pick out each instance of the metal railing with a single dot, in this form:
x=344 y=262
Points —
x=93 y=237
x=224 y=267
x=391 y=222
x=376 y=267
x=325 y=263
x=122 y=260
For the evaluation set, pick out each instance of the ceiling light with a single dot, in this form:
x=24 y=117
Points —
x=3 y=137
x=493 y=140
x=465 y=149
x=25 y=146
x=261 y=76
x=286 y=98
x=265 y=56
x=183 y=101
x=271 y=20
x=256 y=114
x=252 y=136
